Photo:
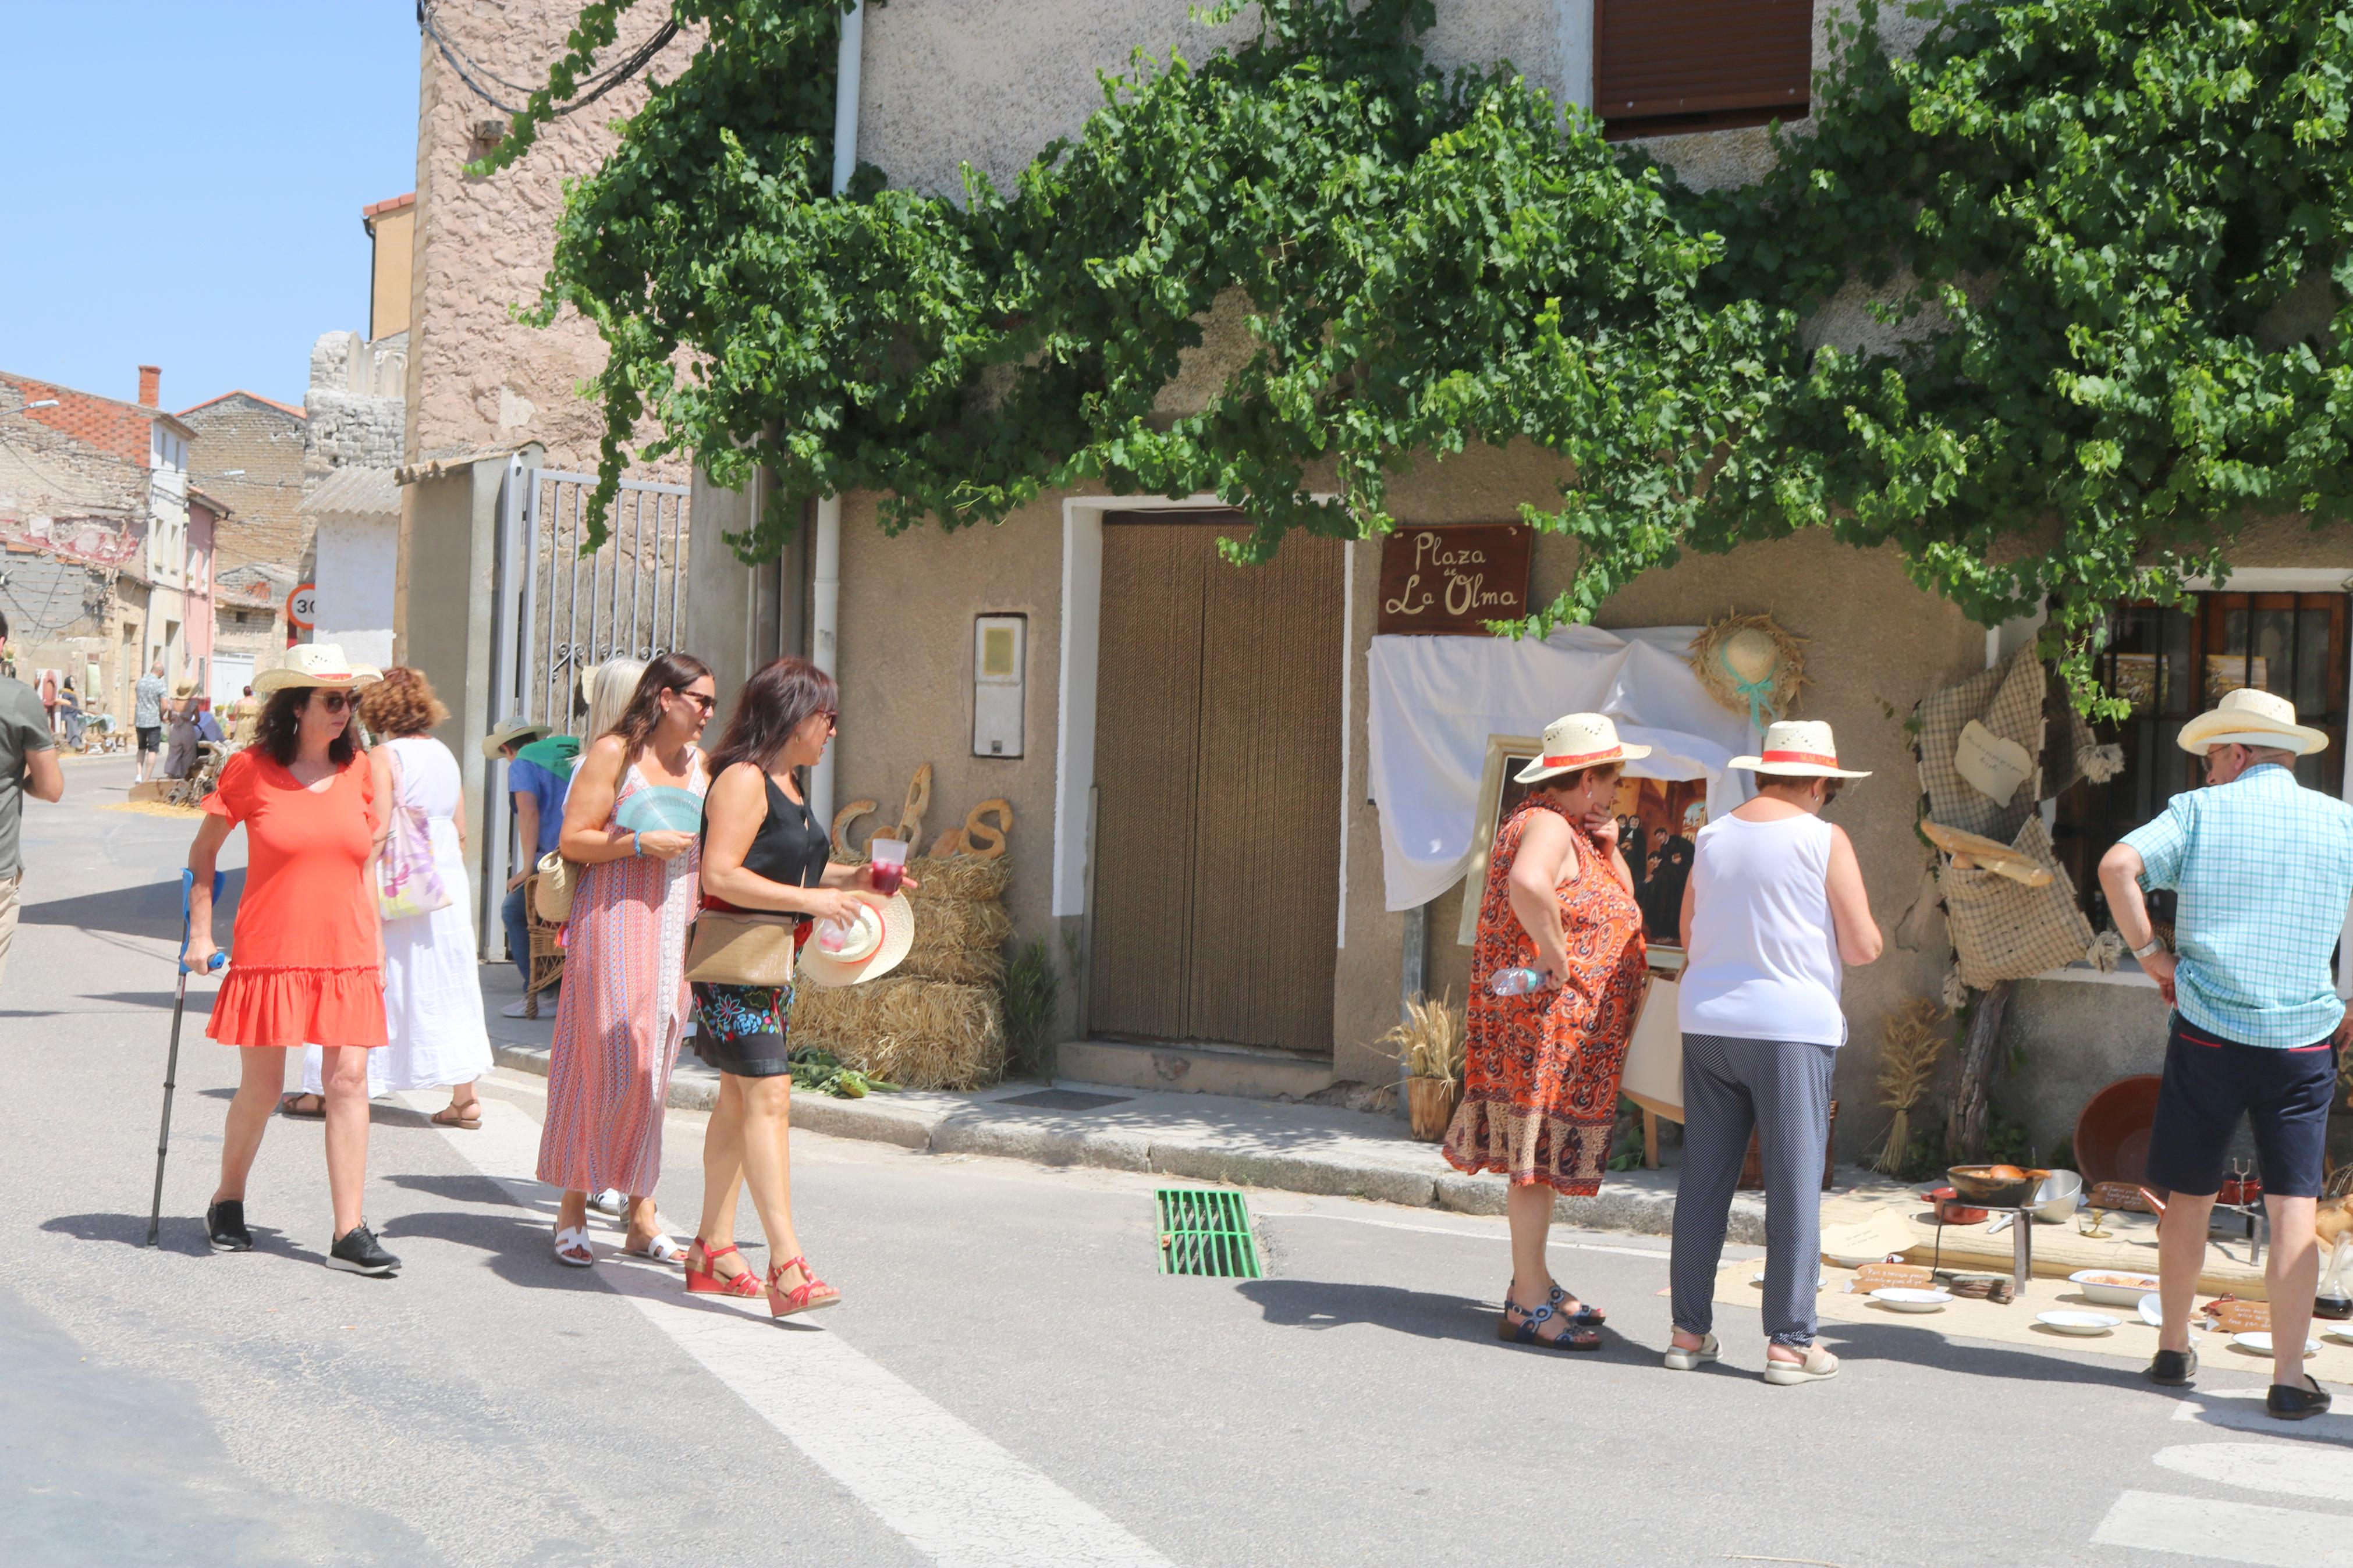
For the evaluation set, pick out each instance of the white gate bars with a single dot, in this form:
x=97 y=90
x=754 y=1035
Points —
x=558 y=613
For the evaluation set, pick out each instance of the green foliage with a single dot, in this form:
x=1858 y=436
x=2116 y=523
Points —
x=2080 y=217
x=1031 y=992
x=824 y=1073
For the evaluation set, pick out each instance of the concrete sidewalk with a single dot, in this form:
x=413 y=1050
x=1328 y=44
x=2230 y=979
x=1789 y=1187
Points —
x=1286 y=1145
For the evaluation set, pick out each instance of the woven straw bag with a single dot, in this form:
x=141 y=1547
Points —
x=557 y=878
x=743 y=950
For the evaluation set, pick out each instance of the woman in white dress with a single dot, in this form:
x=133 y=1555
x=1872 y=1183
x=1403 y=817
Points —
x=432 y=995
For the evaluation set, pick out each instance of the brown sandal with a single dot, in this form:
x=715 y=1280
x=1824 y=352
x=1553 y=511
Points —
x=287 y=1103
x=451 y=1116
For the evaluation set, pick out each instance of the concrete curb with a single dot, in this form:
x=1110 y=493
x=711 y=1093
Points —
x=1202 y=1138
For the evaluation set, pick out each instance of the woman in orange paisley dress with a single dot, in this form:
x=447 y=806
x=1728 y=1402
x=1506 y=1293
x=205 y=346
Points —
x=1541 y=1070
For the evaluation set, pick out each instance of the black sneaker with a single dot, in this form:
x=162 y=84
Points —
x=2173 y=1368
x=225 y=1227
x=2289 y=1403
x=357 y=1252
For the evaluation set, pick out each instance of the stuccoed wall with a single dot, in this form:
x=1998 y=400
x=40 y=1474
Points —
x=947 y=82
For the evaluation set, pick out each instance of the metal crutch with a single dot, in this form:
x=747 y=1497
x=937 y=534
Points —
x=171 y=1061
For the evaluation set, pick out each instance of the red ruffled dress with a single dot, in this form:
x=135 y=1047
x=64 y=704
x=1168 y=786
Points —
x=303 y=962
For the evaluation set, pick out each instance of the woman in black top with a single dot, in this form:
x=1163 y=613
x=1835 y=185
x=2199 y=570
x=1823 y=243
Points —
x=763 y=850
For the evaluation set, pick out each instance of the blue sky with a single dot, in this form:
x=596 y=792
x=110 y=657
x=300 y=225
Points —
x=181 y=184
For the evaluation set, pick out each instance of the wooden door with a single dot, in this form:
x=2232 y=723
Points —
x=1218 y=788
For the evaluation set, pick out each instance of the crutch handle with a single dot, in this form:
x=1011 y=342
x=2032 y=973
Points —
x=187 y=886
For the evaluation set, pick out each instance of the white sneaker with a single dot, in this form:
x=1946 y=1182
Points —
x=518 y=1009
x=611 y=1201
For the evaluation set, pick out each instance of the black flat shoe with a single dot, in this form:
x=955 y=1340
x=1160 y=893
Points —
x=2289 y=1403
x=225 y=1227
x=2174 y=1368
x=358 y=1252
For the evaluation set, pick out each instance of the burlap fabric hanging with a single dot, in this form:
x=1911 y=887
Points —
x=2007 y=699
x=2002 y=929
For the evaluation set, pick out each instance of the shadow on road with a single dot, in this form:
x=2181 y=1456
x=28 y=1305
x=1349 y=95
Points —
x=181 y=1234
x=1327 y=1304
x=199 y=1002
x=153 y=911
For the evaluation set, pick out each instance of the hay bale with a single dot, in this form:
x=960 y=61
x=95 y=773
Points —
x=957 y=876
x=965 y=966
x=960 y=925
x=918 y=1033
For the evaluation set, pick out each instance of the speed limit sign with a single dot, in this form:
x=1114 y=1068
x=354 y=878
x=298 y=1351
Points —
x=302 y=607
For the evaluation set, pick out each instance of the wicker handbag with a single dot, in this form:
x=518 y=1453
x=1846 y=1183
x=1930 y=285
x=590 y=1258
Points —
x=557 y=878
x=743 y=949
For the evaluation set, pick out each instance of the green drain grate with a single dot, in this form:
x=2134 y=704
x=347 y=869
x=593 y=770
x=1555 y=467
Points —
x=1206 y=1231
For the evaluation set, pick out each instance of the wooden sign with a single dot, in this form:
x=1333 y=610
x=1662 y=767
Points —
x=1452 y=581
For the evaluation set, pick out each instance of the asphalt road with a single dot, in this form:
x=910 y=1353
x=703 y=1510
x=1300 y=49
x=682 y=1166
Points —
x=1008 y=1382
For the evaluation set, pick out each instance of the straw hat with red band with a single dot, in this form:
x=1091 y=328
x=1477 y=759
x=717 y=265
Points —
x=1798 y=749
x=1576 y=742
x=315 y=664
x=867 y=951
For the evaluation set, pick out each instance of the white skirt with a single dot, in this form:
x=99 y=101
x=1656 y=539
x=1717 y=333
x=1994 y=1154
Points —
x=433 y=1030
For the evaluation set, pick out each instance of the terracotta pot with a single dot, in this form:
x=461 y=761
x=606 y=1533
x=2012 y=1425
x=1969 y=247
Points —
x=1430 y=1103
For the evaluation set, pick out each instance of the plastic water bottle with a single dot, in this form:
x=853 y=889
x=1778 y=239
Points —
x=1517 y=982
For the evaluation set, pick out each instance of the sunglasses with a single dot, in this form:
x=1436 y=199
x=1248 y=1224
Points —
x=706 y=703
x=336 y=701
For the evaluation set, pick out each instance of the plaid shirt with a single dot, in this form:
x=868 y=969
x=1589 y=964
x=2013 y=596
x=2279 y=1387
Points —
x=2264 y=869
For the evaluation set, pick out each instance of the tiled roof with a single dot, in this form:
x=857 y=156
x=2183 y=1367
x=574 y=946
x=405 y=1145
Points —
x=282 y=408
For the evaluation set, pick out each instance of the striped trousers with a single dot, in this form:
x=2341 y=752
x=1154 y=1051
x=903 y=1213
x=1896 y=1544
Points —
x=1782 y=1090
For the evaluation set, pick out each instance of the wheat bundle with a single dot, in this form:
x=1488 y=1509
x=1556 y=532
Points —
x=1913 y=1041
x=919 y=1034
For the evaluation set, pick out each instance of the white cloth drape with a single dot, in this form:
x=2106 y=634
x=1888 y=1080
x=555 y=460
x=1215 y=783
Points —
x=1435 y=701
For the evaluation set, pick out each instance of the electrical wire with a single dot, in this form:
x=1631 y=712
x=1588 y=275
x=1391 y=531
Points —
x=596 y=85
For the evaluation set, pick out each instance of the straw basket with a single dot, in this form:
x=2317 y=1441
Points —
x=1429 y=1105
x=934 y=1022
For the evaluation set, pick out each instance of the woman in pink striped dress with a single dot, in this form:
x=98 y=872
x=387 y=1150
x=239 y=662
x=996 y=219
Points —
x=624 y=1000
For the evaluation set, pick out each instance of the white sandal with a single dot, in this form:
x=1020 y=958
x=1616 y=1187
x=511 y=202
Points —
x=660 y=1248
x=1681 y=1360
x=572 y=1248
x=1819 y=1367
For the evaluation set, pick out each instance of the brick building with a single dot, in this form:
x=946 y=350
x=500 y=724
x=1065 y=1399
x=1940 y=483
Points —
x=94 y=533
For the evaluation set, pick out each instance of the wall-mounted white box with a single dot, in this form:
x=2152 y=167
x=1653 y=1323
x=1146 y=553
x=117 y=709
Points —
x=1001 y=646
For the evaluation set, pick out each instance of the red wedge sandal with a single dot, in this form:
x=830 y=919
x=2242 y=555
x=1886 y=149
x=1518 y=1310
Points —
x=705 y=1281
x=805 y=1297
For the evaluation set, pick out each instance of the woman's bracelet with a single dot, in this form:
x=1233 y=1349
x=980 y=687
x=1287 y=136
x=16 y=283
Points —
x=635 y=848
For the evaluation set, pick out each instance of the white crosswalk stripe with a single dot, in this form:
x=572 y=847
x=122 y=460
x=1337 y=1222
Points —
x=2228 y=1531
x=2314 y=1474
x=953 y=1494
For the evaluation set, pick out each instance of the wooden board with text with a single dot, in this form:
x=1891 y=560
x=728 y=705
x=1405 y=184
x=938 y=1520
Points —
x=1452 y=581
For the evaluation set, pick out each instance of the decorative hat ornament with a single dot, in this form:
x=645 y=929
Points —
x=1750 y=664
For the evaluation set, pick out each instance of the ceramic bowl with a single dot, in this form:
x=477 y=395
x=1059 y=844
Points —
x=1905 y=1299
x=2113 y=1287
x=2066 y=1322
x=2256 y=1341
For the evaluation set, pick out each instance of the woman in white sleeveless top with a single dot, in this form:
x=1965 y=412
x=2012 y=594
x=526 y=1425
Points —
x=434 y=1035
x=1775 y=905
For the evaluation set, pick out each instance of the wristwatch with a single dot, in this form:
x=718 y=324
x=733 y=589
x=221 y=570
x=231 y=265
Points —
x=2155 y=945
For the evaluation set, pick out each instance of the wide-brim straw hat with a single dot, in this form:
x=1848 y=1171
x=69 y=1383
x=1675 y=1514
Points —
x=2251 y=717
x=881 y=939
x=315 y=664
x=510 y=732
x=1576 y=742
x=184 y=689
x=1798 y=749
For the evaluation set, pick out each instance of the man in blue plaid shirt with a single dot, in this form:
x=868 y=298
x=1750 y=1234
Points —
x=2262 y=871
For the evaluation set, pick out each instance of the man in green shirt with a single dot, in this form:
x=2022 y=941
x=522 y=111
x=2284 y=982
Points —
x=29 y=765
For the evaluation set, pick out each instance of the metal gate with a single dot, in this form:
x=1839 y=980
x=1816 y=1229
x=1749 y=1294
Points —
x=559 y=612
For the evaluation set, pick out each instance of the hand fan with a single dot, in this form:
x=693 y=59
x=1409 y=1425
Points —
x=660 y=807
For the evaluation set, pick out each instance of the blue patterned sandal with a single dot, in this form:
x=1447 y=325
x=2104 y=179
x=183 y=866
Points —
x=1571 y=1338
x=1585 y=1316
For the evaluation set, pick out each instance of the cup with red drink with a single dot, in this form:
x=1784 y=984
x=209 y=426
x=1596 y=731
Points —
x=890 y=868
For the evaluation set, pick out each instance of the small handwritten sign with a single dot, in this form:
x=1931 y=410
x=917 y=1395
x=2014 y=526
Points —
x=1452 y=581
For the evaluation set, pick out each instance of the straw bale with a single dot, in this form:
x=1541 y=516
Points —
x=957 y=876
x=917 y=1033
x=960 y=925
x=965 y=966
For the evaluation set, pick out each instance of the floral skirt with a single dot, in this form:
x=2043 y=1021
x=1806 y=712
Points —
x=740 y=1029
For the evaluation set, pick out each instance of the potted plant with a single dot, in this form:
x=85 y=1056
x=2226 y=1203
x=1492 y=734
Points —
x=1428 y=1041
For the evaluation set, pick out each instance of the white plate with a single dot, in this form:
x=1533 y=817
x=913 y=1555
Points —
x=2343 y=1336
x=2127 y=1295
x=2077 y=1323
x=1905 y=1299
x=2259 y=1342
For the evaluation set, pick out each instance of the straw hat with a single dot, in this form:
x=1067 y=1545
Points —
x=510 y=732
x=875 y=945
x=1578 y=741
x=1798 y=749
x=315 y=664
x=184 y=689
x=2248 y=717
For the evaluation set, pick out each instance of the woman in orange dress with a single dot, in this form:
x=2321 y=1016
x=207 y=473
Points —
x=1541 y=1069
x=306 y=963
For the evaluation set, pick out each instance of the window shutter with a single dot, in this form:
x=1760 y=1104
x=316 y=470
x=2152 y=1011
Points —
x=1665 y=65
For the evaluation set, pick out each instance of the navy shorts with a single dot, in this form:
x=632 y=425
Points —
x=2211 y=1082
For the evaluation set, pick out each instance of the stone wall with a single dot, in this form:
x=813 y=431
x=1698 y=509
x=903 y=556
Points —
x=248 y=452
x=477 y=378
